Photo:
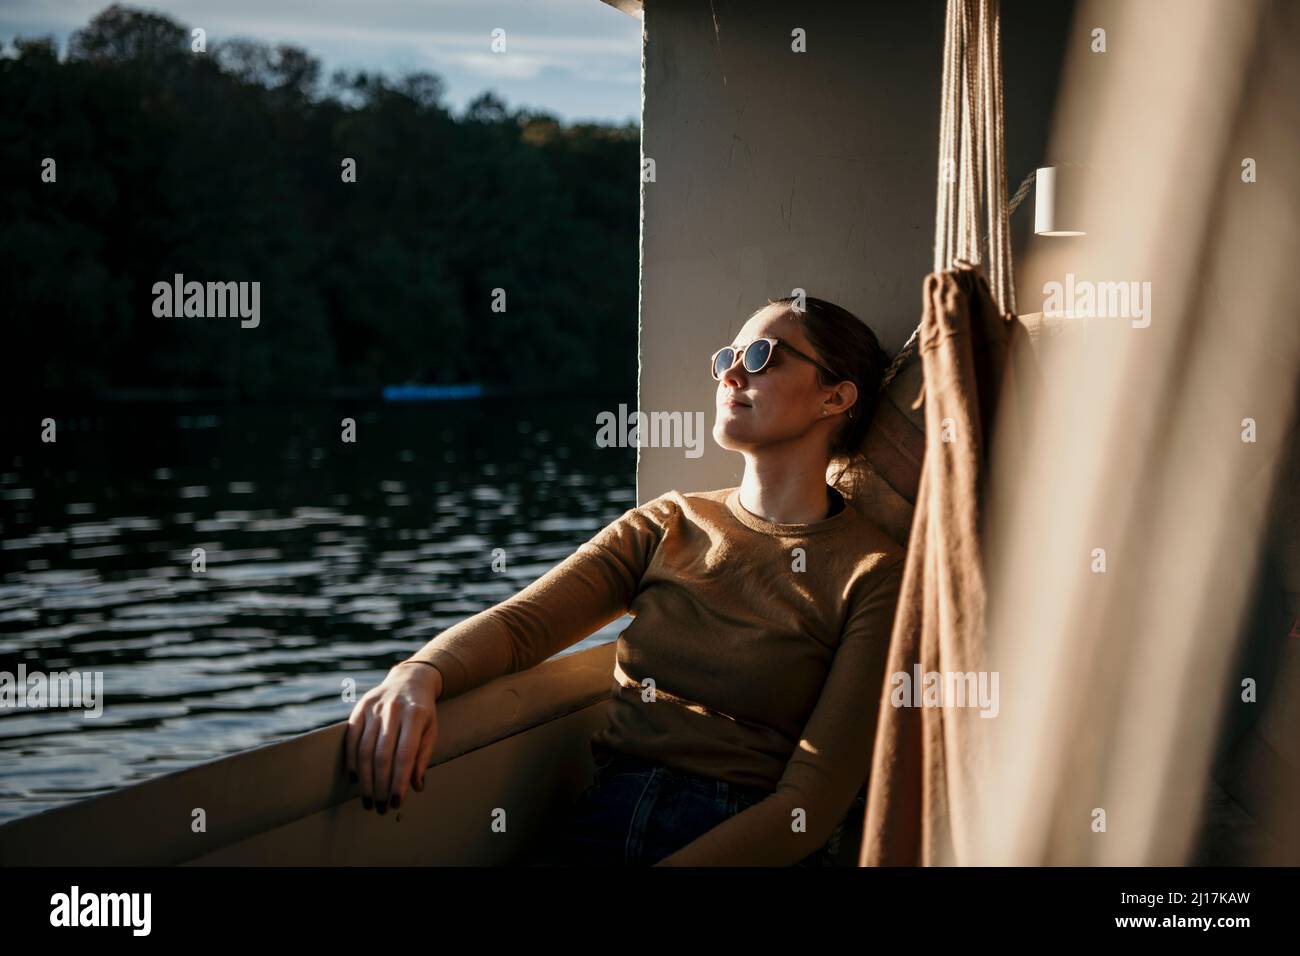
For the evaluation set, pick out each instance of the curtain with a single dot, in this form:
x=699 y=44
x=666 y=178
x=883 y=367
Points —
x=1104 y=572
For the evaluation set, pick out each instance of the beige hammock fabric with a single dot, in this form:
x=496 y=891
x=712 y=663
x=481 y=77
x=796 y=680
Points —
x=966 y=337
x=978 y=369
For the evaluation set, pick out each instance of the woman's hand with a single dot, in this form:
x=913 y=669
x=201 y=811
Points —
x=391 y=734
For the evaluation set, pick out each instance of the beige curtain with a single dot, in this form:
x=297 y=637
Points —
x=1121 y=546
x=1113 y=681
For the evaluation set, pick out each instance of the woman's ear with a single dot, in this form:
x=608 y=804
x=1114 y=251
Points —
x=847 y=393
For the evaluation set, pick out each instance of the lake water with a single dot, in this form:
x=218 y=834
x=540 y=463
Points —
x=325 y=560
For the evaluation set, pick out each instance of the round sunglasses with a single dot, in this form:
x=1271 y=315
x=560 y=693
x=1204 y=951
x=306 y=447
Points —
x=755 y=356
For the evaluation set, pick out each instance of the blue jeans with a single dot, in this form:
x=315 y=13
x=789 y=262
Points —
x=637 y=811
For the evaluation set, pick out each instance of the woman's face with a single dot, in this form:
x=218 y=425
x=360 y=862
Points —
x=781 y=402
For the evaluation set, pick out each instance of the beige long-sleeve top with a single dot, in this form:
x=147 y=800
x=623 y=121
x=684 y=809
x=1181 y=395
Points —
x=756 y=655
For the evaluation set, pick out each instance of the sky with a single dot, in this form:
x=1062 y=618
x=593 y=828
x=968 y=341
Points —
x=577 y=59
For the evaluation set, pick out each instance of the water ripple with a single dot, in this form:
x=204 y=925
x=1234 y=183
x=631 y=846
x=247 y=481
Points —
x=322 y=565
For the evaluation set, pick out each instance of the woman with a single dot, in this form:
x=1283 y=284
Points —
x=746 y=689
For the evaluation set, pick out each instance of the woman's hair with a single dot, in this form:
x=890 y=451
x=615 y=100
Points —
x=847 y=346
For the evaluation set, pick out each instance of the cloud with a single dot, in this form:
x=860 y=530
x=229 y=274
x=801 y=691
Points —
x=580 y=54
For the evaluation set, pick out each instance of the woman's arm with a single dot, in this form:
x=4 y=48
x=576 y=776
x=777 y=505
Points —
x=833 y=757
x=580 y=595
x=393 y=728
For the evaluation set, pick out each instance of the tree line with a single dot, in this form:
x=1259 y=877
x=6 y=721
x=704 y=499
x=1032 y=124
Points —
x=132 y=159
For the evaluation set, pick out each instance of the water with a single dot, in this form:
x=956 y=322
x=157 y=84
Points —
x=325 y=561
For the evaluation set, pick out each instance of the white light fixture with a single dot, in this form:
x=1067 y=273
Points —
x=1056 y=208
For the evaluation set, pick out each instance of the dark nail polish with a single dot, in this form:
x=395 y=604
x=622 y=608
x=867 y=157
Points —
x=353 y=775
x=382 y=807
x=395 y=801
x=367 y=803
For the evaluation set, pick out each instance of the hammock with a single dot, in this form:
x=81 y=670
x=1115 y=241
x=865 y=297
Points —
x=926 y=452
x=971 y=186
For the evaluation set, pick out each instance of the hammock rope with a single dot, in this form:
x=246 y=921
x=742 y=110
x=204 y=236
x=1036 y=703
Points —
x=972 y=183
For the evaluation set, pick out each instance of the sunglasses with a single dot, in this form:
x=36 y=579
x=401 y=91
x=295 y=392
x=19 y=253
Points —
x=755 y=357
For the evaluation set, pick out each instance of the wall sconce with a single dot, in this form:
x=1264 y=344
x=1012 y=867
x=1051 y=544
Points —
x=1057 y=211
